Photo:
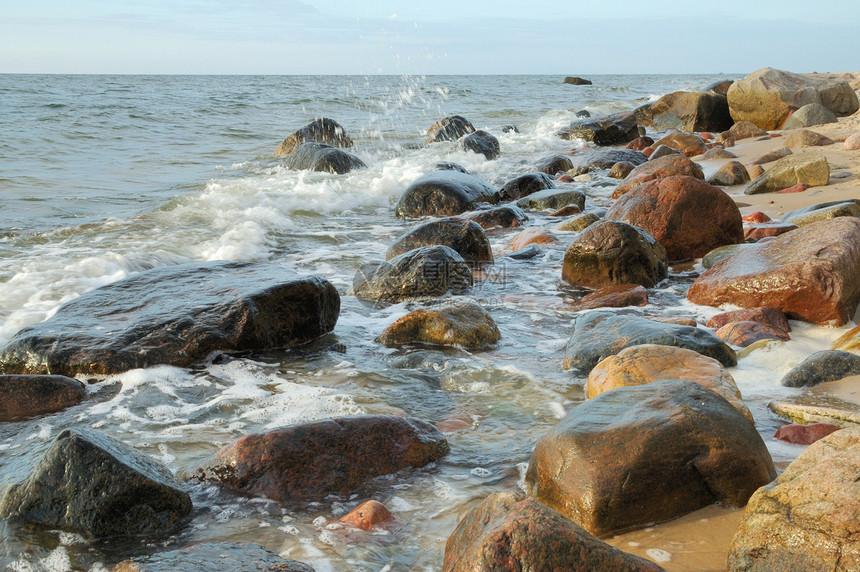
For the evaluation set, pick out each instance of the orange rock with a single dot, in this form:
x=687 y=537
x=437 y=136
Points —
x=706 y=135
x=799 y=188
x=756 y=217
x=564 y=178
x=755 y=171
x=648 y=151
x=368 y=515
x=567 y=210
x=532 y=236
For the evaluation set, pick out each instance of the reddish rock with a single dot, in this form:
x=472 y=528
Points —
x=615 y=296
x=852 y=142
x=756 y=232
x=648 y=151
x=810 y=274
x=532 y=236
x=334 y=456
x=640 y=143
x=564 y=178
x=688 y=216
x=764 y=315
x=567 y=210
x=706 y=136
x=27 y=395
x=756 y=217
x=743 y=334
x=799 y=188
x=367 y=515
x=508 y=216
x=666 y=166
x=804 y=434
x=689 y=144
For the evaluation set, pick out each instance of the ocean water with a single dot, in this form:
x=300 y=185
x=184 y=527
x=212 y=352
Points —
x=105 y=176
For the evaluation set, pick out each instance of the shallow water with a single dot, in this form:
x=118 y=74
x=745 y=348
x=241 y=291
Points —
x=105 y=176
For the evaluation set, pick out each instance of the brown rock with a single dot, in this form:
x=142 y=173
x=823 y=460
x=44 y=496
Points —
x=756 y=217
x=322 y=130
x=772 y=156
x=464 y=236
x=334 y=456
x=640 y=143
x=554 y=164
x=741 y=130
x=717 y=152
x=689 y=144
x=755 y=232
x=804 y=434
x=462 y=324
x=28 y=395
x=764 y=315
x=508 y=216
x=755 y=171
x=668 y=166
x=532 y=236
x=578 y=223
x=449 y=129
x=805 y=138
x=688 y=111
x=807 y=518
x=743 y=334
x=621 y=169
x=510 y=532
x=688 y=216
x=732 y=173
x=809 y=274
x=368 y=515
x=615 y=296
x=567 y=210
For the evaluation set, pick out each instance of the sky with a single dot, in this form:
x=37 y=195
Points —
x=427 y=37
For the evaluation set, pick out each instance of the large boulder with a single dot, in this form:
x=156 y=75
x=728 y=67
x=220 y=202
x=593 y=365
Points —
x=426 y=271
x=688 y=216
x=613 y=252
x=444 y=193
x=461 y=324
x=213 y=556
x=791 y=170
x=482 y=143
x=29 y=395
x=767 y=96
x=312 y=156
x=644 y=454
x=466 y=237
x=176 y=315
x=313 y=460
x=95 y=485
x=807 y=518
x=525 y=185
x=449 y=128
x=598 y=335
x=639 y=365
x=687 y=111
x=821 y=367
x=616 y=129
x=809 y=115
x=509 y=532
x=322 y=130
x=810 y=274
x=660 y=168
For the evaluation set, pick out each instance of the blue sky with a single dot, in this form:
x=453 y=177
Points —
x=444 y=36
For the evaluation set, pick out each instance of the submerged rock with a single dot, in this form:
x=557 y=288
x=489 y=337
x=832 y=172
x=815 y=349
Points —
x=176 y=315
x=615 y=296
x=805 y=434
x=335 y=456
x=822 y=367
x=323 y=158
x=28 y=395
x=507 y=216
x=461 y=324
x=322 y=130
x=95 y=485
x=746 y=333
x=573 y=80
x=444 y=193
x=368 y=515
x=464 y=236
x=209 y=556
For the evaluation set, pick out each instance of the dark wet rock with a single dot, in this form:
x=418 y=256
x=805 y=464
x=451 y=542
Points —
x=644 y=454
x=466 y=237
x=613 y=252
x=525 y=185
x=805 y=434
x=450 y=166
x=791 y=170
x=462 y=324
x=745 y=333
x=444 y=193
x=93 y=484
x=578 y=223
x=614 y=296
x=717 y=153
x=526 y=253
x=554 y=164
x=719 y=254
x=507 y=531
x=427 y=271
x=616 y=129
x=449 y=129
x=510 y=129
x=687 y=111
x=605 y=159
x=213 y=556
x=809 y=115
x=821 y=367
x=756 y=232
x=809 y=274
x=668 y=166
x=721 y=87
x=324 y=158
x=640 y=143
x=766 y=97
x=24 y=396
x=805 y=138
x=507 y=216
x=573 y=80
x=621 y=169
x=823 y=211
x=176 y=315
x=335 y=456
x=553 y=199
x=598 y=335
x=807 y=518
x=772 y=317
x=689 y=144
x=582 y=113
x=688 y=216
x=323 y=130
x=482 y=143
x=730 y=174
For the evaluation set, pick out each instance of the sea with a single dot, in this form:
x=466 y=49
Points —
x=102 y=177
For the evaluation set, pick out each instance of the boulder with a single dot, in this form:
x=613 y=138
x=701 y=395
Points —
x=746 y=333
x=507 y=532
x=821 y=367
x=688 y=216
x=464 y=236
x=809 y=274
x=730 y=174
x=807 y=518
x=687 y=111
x=772 y=317
x=804 y=434
x=578 y=223
x=525 y=185
x=427 y=271
x=613 y=252
x=323 y=130
x=605 y=159
x=461 y=324
x=647 y=363
x=324 y=158
x=616 y=129
x=689 y=144
x=28 y=395
x=482 y=143
x=644 y=454
x=449 y=129
x=767 y=96
x=554 y=164
x=97 y=486
x=598 y=335
x=823 y=211
x=507 y=216
x=614 y=296
x=791 y=170
x=667 y=166
x=573 y=80
x=176 y=315
x=444 y=193
x=335 y=456
x=553 y=199
x=809 y=115
x=213 y=556
x=799 y=138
